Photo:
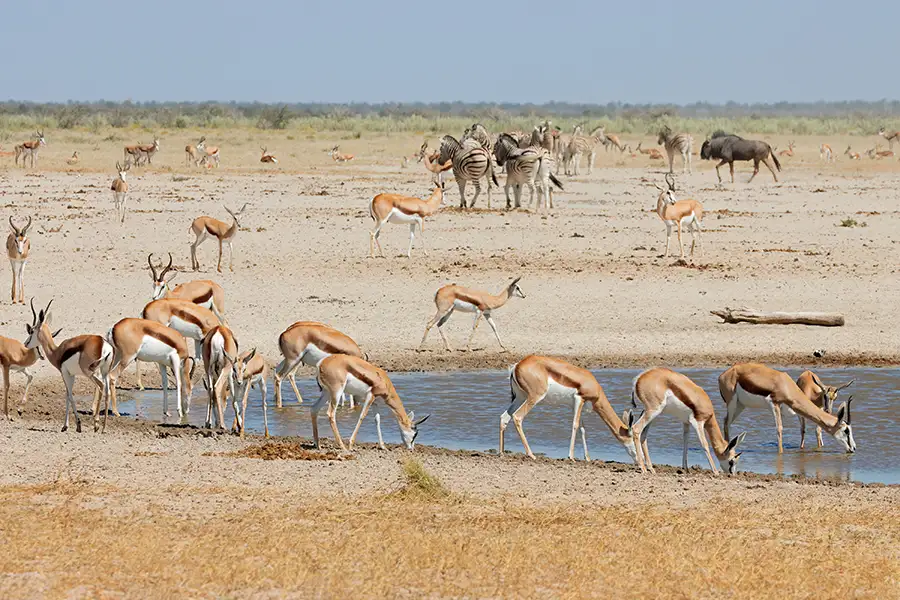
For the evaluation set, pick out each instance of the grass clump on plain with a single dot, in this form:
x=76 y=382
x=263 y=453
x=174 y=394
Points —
x=851 y=222
x=420 y=483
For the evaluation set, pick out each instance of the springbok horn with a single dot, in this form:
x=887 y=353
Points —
x=33 y=313
x=152 y=268
x=13 y=226
x=168 y=267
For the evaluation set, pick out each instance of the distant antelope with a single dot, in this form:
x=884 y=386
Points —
x=338 y=157
x=14 y=356
x=455 y=297
x=119 y=188
x=17 y=248
x=191 y=155
x=826 y=154
x=431 y=162
x=883 y=153
x=132 y=154
x=402 y=210
x=891 y=137
x=678 y=212
x=203 y=227
x=612 y=140
x=146 y=151
x=822 y=397
x=653 y=153
x=74 y=158
x=789 y=151
x=30 y=148
x=267 y=158
x=250 y=370
x=210 y=154
x=852 y=155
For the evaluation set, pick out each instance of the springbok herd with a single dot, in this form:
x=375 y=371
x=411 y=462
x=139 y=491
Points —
x=196 y=310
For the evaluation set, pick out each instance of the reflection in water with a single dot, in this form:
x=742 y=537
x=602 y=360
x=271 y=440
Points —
x=466 y=408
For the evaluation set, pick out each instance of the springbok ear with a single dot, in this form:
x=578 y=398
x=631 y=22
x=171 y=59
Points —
x=735 y=442
x=420 y=421
x=628 y=418
x=842 y=412
x=516 y=280
x=250 y=355
x=846 y=385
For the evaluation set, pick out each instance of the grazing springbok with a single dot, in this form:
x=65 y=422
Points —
x=73 y=159
x=89 y=355
x=538 y=378
x=204 y=227
x=146 y=151
x=665 y=391
x=250 y=370
x=851 y=154
x=402 y=210
x=728 y=148
x=653 y=153
x=307 y=343
x=267 y=158
x=14 y=356
x=209 y=154
x=826 y=154
x=338 y=157
x=822 y=397
x=339 y=374
x=789 y=151
x=220 y=351
x=203 y=292
x=17 y=248
x=455 y=297
x=30 y=148
x=891 y=137
x=678 y=212
x=119 y=189
x=150 y=341
x=752 y=385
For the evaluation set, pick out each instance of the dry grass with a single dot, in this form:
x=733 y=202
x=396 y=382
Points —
x=283 y=451
x=60 y=540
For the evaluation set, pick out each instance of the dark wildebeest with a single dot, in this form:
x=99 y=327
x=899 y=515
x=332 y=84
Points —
x=729 y=148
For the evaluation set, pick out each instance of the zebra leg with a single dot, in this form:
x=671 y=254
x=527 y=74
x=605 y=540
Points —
x=462 y=191
x=477 y=184
x=506 y=187
x=591 y=157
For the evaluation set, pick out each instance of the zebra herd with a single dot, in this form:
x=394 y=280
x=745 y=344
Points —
x=533 y=159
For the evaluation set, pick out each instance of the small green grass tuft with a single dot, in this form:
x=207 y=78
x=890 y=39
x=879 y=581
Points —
x=851 y=222
x=421 y=483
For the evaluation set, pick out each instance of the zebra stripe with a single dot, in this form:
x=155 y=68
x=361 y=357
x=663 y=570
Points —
x=582 y=144
x=677 y=142
x=471 y=162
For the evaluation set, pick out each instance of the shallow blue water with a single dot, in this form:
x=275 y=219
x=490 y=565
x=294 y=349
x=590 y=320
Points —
x=466 y=406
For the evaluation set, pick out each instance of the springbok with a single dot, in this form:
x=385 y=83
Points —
x=307 y=343
x=191 y=155
x=402 y=210
x=431 y=162
x=132 y=154
x=752 y=385
x=678 y=212
x=89 y=355
x=662 y=390
x=119 y=189
x=653 y=153
x=203 y=292
x=340 y=373
x=789 y=151
x=17 y=248
x=338 y=157
x=203 y=227
x=73 y=159
x=30 y=148
x=826 y=154
x=267 y=158
x=455 y=297
x=210 y=154
x=879 y=154
x=150 y=341
x=146 y=151
x=220 y=351
x=852 y=155
x=822 y=397
x=250 y=370
x=538 y=378
x=14 y=356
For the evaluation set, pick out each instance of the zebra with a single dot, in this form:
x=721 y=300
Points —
x=479 y=133
x=525 y=167
x=581 y=144
x=471 y=162
x=681 y=142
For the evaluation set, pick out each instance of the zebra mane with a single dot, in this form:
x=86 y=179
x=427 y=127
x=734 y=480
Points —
x=596 y=129
x=449 y=147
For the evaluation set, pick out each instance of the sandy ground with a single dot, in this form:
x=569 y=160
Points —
x=598 y=293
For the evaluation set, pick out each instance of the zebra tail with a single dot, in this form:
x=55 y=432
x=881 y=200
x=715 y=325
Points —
x=556 y=181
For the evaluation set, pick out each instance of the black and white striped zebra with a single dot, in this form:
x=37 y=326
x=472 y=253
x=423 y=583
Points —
x=583 y=144
x=479 y=133
x=677 y=142
x=525 y=166
x=471 y=162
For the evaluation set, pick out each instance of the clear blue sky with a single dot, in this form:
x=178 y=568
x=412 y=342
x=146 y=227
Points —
x=638 y=51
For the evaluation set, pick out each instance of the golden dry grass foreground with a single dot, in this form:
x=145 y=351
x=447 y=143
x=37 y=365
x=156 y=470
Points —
x=142 y=512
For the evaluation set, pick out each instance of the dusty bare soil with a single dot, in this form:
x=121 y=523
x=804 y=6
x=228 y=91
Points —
x=148 y=511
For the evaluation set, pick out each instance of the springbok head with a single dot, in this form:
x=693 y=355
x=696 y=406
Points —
x=20 y=235
x=409 y=434
x=237 y=214
x=160 y=281
x=40 y=322
x=514 y=290
x=40 y=138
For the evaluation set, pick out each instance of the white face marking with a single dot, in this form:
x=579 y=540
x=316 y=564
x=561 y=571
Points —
x=159 y=290
x=844 y=436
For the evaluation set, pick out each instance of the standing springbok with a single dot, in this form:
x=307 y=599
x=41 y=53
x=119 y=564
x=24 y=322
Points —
x=17 y=248
x=190 y=320
x=203 y=227
x=538 y=378
x=678 y=212
x=250 y=370
x=662 y=390
x=14 y=356
x=338 y=157
x=150 y=341
x=220 y=351
x=455 y=297
x=307 y=343
x=891 y=137
x=191 y=155
x=822 y=397
x=89 y=355
x=119 y=189
x=825 y=153
x=146 y=151
x=210 y=154
x=203 y=292
x=132 y=154
x=340 y=373
x=267 y=158
x=30 y=148
x=402 y=210
x=752 y=385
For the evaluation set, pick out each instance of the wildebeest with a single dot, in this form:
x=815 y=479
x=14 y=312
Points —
x=729 y=148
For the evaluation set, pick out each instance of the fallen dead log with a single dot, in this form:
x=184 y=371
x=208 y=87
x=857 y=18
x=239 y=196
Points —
x=744 y=315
